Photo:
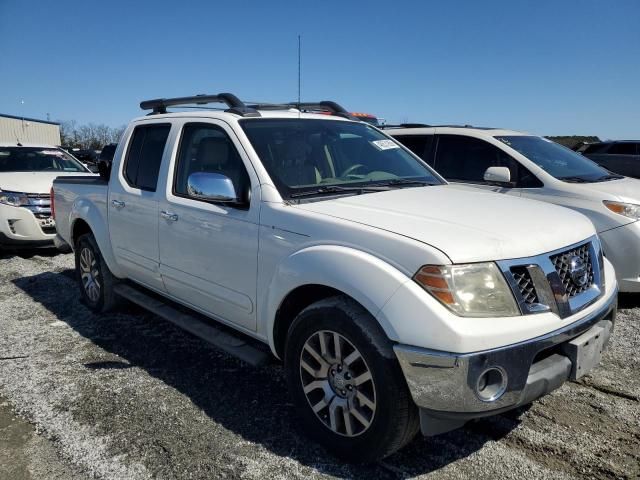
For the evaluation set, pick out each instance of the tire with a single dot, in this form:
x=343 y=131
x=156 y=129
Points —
x=93 y=275
x=365 y=379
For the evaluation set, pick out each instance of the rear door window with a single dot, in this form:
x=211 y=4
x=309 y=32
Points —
x=142 y=164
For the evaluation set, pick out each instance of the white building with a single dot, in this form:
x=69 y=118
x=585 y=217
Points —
x=28 y=130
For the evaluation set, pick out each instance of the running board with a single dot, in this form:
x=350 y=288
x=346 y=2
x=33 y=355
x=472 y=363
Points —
x=195 y=324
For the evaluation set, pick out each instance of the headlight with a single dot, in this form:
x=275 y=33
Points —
x=472 y=290
x=14 y=199
x=627 y=209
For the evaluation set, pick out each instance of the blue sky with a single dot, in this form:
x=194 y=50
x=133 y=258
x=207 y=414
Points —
x=548 y=67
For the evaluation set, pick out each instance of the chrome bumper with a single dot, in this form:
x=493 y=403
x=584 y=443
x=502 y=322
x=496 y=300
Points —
x=446 y=385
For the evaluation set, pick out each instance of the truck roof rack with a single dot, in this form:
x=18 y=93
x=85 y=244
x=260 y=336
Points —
x=159 y=105
x=237 y=106
x=325 y=106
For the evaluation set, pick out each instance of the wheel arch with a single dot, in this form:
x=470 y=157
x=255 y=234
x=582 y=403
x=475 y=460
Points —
x=296 y=300
x=318 y=272
x=86 y=217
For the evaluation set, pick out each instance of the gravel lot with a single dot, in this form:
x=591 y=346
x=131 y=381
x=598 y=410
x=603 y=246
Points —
x=127 y=395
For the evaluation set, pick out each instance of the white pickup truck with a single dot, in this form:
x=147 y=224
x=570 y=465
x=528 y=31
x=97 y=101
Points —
x=396 y=302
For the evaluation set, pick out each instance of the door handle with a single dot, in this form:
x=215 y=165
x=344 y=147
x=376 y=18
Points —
x=118 y=204
x=169 y=216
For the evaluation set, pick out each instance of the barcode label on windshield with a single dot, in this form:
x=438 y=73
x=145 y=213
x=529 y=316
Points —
x=384 y=144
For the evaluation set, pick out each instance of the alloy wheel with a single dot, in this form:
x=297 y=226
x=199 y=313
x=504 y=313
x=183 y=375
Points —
x=337 y=383
x=89 y=274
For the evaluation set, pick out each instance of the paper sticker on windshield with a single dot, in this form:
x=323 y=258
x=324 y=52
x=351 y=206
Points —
x=58 y=153
x=384 y=144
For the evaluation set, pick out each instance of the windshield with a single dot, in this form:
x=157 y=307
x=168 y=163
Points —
x=309 y=155
x=556 y=160
x=37 y=159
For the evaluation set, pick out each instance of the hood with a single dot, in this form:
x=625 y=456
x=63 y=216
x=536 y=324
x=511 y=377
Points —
x=33 y=182
x=468 y=226
x=626 y=189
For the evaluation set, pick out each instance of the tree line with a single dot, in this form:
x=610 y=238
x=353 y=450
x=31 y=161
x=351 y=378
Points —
x=572 y=141
x=90 y=136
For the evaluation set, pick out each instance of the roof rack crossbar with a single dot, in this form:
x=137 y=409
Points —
x=407 y=125
x=159 y=105
x=325 y=105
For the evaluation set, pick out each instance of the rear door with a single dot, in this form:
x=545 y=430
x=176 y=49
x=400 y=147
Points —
x=133 y=204
x=209 y=250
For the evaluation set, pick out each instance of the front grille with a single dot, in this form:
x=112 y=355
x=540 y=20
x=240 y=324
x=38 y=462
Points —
x=525 y=285
x=562 y=264
x=40 y=205
x=43 y=196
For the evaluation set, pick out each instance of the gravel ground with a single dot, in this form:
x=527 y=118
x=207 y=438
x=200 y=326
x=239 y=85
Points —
x=126 y=395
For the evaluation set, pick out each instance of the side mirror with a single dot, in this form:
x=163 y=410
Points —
x=213 y=187
x=500 y=176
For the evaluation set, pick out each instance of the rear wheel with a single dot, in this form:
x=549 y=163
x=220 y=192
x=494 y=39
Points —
x=93 y=274
x=346 y=382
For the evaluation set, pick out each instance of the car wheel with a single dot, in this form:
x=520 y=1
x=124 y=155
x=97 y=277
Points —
x=346 y=382
x=93 y=274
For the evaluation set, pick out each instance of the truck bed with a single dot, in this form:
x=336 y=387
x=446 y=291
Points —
x=88 y=193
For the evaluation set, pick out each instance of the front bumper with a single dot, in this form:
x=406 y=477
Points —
x=20 y=227
x=446 y=385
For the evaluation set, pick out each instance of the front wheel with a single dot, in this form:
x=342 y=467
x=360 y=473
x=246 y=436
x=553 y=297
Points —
x=346 y=382
x=93 y=274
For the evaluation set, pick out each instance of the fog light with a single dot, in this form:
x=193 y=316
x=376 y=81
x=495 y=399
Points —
x=491 y=384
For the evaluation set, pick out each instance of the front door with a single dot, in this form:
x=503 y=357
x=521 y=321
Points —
x=133 y=205
x=208 y=250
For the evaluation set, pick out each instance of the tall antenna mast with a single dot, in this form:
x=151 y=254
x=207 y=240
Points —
x=299 y=63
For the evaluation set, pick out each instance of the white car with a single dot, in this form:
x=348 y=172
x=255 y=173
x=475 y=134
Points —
x=528 y=166
x=26 y=176
x=396 y=301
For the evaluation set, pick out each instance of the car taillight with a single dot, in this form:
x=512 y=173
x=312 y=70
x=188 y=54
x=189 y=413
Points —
x=53 y=204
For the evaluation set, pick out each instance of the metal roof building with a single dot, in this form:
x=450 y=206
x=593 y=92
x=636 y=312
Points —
x=28 y=130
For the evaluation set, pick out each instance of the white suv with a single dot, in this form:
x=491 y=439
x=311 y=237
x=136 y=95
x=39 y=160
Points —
x=529 y=166
x=26 y=176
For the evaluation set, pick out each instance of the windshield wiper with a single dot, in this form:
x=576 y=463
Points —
x=337 y=189
x=405 y=181
x=574 y=179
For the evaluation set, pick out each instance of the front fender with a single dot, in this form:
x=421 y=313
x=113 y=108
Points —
x=83 y=209
x=364 y=277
